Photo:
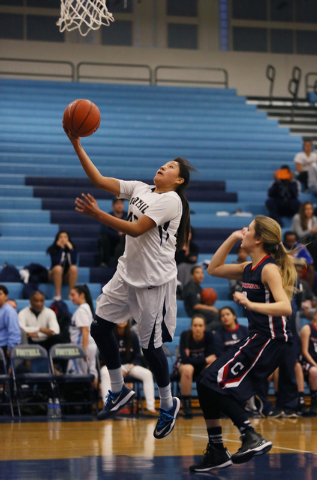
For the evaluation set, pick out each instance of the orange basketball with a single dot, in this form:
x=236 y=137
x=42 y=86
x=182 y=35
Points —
x=208 y=296
x=82 y=118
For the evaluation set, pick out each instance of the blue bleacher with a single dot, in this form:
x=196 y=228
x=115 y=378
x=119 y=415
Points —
x=233 y=146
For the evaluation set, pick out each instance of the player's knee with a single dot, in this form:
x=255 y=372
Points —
x=57 y=269
x=73 y=268
x=100 y=328
x=313 y=373
x=187 y=371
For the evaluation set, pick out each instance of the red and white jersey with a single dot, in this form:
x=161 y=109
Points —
x=149 y=260
x=252 y=286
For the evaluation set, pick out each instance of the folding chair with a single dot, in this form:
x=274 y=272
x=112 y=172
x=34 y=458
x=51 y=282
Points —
x=137 y=384
x=5 y=381
x=74 y=389
x=31 y=368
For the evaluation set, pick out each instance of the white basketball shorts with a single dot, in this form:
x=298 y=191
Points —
x=154 y=309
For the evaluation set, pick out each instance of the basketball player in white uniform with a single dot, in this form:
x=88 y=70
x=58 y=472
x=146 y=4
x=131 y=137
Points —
x=145 y=281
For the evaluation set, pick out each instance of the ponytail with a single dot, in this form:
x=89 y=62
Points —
x=184 y=226
x=85 y=290
x=270 y=232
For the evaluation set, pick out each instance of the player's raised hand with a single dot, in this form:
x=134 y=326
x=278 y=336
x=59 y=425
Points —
x=88 y=206
x=75 y=140
x=239 y=234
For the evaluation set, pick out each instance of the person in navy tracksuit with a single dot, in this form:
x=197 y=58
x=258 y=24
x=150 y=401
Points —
x=267 y=287
x=230 y=333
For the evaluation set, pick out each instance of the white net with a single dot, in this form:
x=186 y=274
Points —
x=85 y=15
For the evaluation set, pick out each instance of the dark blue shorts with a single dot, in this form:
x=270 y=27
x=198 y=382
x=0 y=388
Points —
x=240 y=370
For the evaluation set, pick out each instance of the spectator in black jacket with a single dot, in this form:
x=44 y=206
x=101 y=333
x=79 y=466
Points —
x=193 y=303
x=186 y=258
x=111 y=242
x=283 y=193
x=63 y=269
x=196 y=352
x=130 y=356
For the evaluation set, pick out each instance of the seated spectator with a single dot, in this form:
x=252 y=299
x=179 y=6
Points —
x=308 y=300
x=283 y=193
x=24 y=338
x=10 y=334
x=236 y=285
x=308 y=337
x=80 y=331
x=111 y=242
x=305 y=223
x=305 y=226
x=230 y=332
x=130 y=356
x=290 y=241
x=196 y=352
x=192 y=300
x=312 y=179
x=63 y=269
x=303 y=161
x=186 y=258
x=39 y=322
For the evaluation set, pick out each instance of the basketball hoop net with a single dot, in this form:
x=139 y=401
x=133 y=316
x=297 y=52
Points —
x=85 y=15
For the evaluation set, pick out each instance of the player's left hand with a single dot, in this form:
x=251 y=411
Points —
x=88 y=206
x=240 y=298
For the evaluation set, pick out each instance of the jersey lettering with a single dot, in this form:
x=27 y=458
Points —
x=237 y=365
x=132 y=218
x=138 y=202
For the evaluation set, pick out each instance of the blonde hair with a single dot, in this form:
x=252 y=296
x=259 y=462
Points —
x=270 y=232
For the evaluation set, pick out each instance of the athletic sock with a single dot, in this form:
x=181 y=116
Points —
x=166 y=397
x=243 y=424
x=215 y=437
x=116 y=378
x=301 y=397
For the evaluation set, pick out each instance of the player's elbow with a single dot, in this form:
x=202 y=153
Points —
x=288 y=311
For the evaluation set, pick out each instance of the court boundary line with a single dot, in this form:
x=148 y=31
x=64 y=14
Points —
x=237 y=441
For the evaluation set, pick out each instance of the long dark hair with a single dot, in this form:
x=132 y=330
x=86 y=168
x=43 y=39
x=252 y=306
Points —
x=302 y=216
x=231 y=310
x=54 y=248
x=127 y=338
x=184 y=227
x=85 y=290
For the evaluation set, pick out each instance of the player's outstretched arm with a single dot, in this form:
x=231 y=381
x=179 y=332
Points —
x=272 y=278
x=109 y=184
x=88 y=206
x=217 y=267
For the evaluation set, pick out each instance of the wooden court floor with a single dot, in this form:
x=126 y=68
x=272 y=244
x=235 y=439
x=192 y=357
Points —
x=125 y=448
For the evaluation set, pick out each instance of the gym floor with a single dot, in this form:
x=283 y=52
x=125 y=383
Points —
x=125 y=448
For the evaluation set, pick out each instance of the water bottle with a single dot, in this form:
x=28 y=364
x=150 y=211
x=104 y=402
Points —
x=50 y=409
x=58 y=410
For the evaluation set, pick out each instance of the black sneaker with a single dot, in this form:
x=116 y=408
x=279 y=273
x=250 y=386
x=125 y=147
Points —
x=167 y=419
x=289 y=413
x=276 y=413
x=213 y=459
x=252 y=444
x=187 y=408
x=301 y=408
x=115 y=402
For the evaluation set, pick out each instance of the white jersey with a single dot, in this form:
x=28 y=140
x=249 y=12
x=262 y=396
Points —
x=81 y=318
x=149 y=260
